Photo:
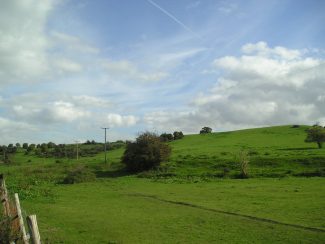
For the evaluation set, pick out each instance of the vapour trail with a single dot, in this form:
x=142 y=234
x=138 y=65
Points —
x=173 y=17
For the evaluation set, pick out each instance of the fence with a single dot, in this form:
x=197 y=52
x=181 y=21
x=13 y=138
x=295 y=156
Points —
x=12 y=212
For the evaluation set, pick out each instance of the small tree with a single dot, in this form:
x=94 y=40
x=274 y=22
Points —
x=316 y=134
x=178 y=135
x=205 y=130
x=166 y=137
x=25 y=145
x=145 y=153
x=31 y=147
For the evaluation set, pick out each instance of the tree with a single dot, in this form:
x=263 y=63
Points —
x=205 y=130
x=145 y=153
x=178 y=135
x=44 y=148
x=25 y=145
x=31 y=147
x=51 y=144
x=17 y=144
x=316 y=134
x=166 y=137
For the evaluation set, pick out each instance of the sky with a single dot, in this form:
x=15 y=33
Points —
x=70 y=67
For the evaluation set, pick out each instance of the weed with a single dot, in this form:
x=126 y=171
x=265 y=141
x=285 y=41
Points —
x=243 y=158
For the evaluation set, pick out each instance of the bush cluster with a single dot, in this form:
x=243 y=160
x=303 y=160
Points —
x=166 y=137
x=145 y=153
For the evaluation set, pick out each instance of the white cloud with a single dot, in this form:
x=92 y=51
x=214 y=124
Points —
x=269 y=70
x=90 y=101
x=274 y=87
x=177 y=57
x=12 y=131
x=227 y=7
x=29 y=52
x=52 y=112
x=73 y=43
x=66 y=65
x=117 y=120
x=22 y=40
x=125 y=69
x=262 y=49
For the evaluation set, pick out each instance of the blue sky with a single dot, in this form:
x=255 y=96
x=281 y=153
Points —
x=69 y=67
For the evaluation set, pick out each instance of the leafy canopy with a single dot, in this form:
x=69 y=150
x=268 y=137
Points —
x=316 y=134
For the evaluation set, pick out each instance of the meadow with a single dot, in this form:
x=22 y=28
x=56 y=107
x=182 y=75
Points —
x=195 y=197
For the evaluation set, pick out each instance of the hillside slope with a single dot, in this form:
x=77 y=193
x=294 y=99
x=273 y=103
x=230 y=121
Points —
x=273 y=152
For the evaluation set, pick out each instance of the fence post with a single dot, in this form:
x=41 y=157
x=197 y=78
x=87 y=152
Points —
x=4 y=196
x=33 y=229
x=21 y=220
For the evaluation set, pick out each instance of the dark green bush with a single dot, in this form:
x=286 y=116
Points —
x=145 y=153
x=78 y=175
x=165 y=137
x=178 y=135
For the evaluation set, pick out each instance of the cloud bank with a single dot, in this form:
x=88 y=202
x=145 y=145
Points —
x=264 y=86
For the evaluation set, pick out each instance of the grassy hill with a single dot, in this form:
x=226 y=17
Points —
x=195 y=197
x=273 y=152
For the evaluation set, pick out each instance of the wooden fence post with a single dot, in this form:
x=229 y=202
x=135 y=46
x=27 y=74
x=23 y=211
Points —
x=33 y=229
x=21 y=220
x=4 y=196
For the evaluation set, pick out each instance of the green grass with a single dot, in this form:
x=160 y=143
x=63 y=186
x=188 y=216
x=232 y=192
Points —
x=189 y=199
x=124 y=211
x=274 y=152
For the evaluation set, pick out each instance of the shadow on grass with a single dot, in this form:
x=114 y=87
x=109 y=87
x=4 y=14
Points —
x=297 y=149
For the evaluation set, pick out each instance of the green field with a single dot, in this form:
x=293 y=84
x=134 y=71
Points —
x=195 y=197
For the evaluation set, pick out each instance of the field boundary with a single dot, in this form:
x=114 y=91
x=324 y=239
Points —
x=258 y=219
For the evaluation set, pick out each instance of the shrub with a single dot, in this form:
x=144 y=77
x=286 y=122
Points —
x=145 y=153
x=78 y=175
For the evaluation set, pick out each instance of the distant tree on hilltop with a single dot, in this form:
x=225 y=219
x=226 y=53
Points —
x=205 y=130
x=178 y=135
x=316 y=134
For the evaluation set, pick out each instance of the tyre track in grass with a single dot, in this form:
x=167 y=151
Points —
x=258 y=219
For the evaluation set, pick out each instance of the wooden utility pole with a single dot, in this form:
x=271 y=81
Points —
x=77 y=144
x=105 y=128
x=4 y=149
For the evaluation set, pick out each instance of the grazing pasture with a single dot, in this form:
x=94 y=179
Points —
x=197 y=196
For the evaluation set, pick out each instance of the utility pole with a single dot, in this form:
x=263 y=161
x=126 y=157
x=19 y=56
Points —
x=105 y=128
x=4 y=149
x=77 y=144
